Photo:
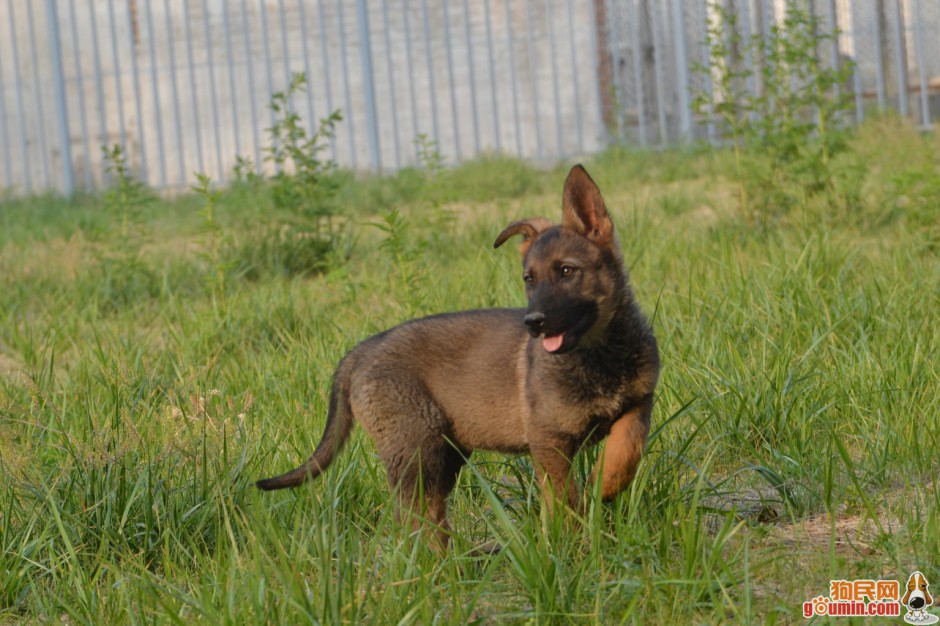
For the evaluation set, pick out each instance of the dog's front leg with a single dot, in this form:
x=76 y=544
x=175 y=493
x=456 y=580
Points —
x=617 y=463
x=552 y=457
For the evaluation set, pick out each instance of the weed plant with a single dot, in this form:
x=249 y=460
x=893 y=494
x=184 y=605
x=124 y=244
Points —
x=121 y=273
x=794 y=433
x=785 y=119
x=299 y=235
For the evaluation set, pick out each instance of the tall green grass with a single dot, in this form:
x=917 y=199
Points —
x=794 y=437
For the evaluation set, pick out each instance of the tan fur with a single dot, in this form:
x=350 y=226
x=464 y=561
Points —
x=530 y=229
x=623 y=448
x=433 y=390
x=914 y=582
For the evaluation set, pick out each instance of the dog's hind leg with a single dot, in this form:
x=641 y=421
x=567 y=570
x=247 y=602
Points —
x=622 y=451
x=424 y=484
x=412 y=436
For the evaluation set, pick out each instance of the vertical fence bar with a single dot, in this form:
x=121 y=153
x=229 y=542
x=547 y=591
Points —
x=99 y=77
x=450 y=76
x=746 y=24
x=614 y=37
x=921 y=71
x=856 y=75
x=859 y=102
x=213 y=97
x=835 y=59
x=900 y=57
x=638 y=72
x=306 y=52
x=512 y=78
x=411 y=71
x=282 y=21
x=5 y=143
x=595 y=56
x=324 y=52
x=20 y=108
x=658 y=73
x=41 y=126
x=489 y=50
x=432 y=90
x=118 y=80
x=268 y=71
x=709 y=86
x=835 y=33
x=757 y=29
x=155 y=85
x=768 y=19
x=368 y=85
x=682 y=73
x=68 y=180
x=879 y=53
x=473 y=82
x=937 y=38
x=552 y=51
x=80 y=86
x=285 y=48
x=390 y=68
x=232 y=84
x=533 y=74
x=579 y=123
x=194 y=94
x=174 y=90
x=250 y=64
x=138 y=108
x=345 y=63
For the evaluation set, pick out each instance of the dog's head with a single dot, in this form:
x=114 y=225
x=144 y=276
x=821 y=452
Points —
x=573 y=271
x=917 y=597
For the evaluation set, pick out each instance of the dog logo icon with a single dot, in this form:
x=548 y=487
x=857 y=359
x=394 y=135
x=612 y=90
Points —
x=917 y=600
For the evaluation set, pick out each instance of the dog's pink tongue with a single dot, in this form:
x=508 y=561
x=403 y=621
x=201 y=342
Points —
x=553 y=342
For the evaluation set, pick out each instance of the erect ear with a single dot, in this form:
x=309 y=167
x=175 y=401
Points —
x=583 y=210
x=530 y=229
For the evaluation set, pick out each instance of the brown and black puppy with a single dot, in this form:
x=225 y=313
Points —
x=580 y=363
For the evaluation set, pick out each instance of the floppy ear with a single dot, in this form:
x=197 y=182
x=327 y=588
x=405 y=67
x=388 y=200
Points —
x=911 y=586
x=583 y=210
x=530 y=229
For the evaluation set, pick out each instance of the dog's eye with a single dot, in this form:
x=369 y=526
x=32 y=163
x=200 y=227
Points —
x=527 y=278
x=566 y=270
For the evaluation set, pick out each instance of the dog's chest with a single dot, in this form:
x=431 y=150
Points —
x=586 y=408
x=599 y=391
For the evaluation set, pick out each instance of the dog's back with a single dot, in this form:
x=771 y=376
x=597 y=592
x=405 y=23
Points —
x=466 y=371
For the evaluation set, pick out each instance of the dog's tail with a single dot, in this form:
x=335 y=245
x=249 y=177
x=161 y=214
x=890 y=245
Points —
x=339 y=423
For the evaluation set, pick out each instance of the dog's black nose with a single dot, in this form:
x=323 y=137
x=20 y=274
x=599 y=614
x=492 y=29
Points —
x=917 y=603
x=534 y=321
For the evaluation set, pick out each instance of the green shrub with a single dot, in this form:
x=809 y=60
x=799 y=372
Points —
x=786 y=134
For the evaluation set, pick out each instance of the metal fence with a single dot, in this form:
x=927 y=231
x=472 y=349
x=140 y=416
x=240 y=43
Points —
x=654 y=47
x=184 y=86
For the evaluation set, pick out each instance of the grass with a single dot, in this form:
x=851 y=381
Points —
x=794 y=437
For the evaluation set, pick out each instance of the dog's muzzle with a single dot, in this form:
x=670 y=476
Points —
x=916 y=600
x=534 y=321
